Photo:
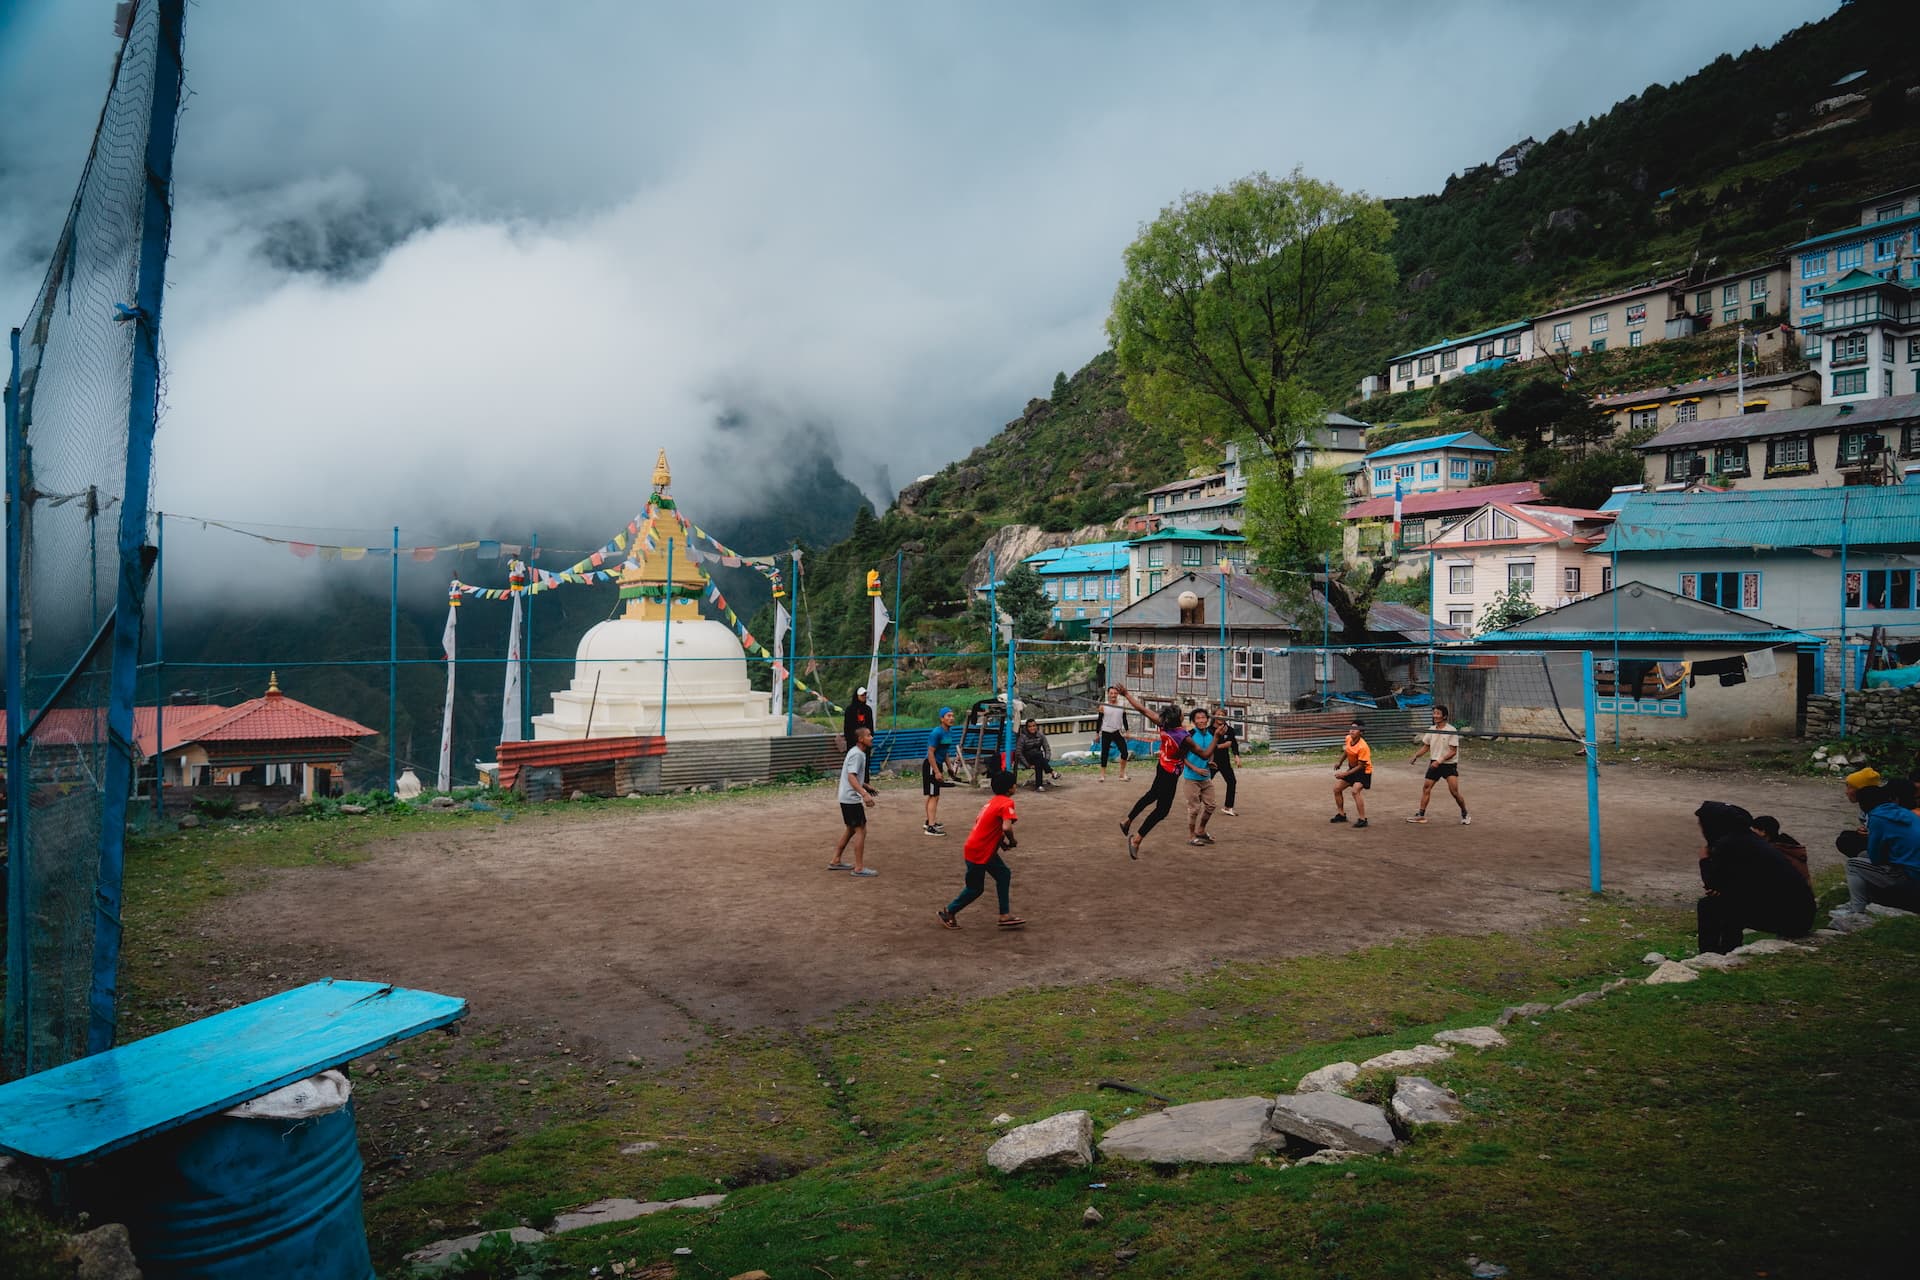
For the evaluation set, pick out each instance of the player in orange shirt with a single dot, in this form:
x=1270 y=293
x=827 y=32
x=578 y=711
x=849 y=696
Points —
x=992 y=832
x=1355 y=770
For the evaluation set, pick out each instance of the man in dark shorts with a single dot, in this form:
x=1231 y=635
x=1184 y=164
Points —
x=1113 y=732
x=856 y=797
x=1354 y=771
x=1442 y=744
x=937 y=765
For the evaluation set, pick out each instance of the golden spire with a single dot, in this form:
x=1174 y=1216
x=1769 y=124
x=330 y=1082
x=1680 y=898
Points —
x=273 y=684
x=644 y=584
x=662 y=476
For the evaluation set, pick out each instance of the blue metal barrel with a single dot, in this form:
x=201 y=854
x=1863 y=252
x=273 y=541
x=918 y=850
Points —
x=228 y=1198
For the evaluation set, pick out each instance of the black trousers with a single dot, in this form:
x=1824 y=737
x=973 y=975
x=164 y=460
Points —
x=1110 y=743
x=1852 y=844
x=1159 y=796
x=1224 y=768
x=1722 y=919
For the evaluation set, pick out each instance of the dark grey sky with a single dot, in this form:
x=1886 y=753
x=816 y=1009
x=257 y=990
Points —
x=578 y=231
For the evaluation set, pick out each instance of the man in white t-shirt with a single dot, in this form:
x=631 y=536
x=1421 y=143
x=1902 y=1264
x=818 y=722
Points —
x=1443 y=745
x=1113 y=732
x=856 y=797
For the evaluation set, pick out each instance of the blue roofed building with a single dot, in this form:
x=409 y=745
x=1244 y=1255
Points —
x=1447 y=359
x=1884 y=247
x=1459 y=460
x=1084 y=583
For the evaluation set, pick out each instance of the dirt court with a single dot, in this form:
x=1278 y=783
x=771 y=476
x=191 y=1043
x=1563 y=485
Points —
x=641 y=934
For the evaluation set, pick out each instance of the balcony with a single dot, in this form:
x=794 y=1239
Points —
x=1836 y=360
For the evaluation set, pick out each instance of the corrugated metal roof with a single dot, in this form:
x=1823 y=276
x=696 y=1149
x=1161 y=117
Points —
x=1607 y=300
x=1088 y=557
x=1787 y=422
x=1730 y=382
x=1494 y=332
x=1864 y=231
x=1424 y=504
x=1883 y=516
x=1758 y=639
x=1187 y=535
x=1426 y=444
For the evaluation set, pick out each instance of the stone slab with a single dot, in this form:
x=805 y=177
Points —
x=1769 y=947
x=1672 y=971
x=441 y=1252
x=1420 y=1055
x=1332 y=1078
x=1713 y=961
x=1332 y=1120
x=620 y=1209
x=1224 y=1131
x=1418 y=1100
x=1473 y=1037
x=1063 y=1141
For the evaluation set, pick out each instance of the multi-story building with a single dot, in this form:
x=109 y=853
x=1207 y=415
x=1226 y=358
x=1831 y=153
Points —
x=1710 y=398
x=1458 y=460
x=1505 y=545
x=1739 y=297
x=1219 y=498
x=1868 y=341
x=1884 y=244
x=1154 y=560
x=1508 y=162
x=1423 y=517
x=1817 y=446
x=1633 y=318
x=1447 y=359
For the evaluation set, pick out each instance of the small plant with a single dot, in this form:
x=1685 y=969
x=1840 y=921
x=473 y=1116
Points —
x=498 y=1257
x=215 y=806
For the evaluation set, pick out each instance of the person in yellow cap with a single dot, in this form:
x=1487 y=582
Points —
x=1863 y=789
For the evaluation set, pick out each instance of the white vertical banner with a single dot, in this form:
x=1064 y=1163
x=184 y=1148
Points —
x=782 y=621
x=880 y=620
x=510 y=697
x=446 y=716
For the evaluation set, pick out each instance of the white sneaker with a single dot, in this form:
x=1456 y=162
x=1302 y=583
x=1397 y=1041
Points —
x=1465 y=821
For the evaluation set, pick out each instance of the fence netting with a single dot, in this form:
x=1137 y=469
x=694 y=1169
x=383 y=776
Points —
x=73 y=401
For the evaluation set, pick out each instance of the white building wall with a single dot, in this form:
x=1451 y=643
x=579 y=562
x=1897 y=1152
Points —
x=1489 y=569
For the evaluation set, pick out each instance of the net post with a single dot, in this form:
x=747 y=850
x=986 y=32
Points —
x=19 y=990
x=159 y=666
x=1591 y=748
x=393 y=655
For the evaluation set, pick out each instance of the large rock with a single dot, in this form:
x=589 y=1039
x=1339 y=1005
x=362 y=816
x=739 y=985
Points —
x=441 y=1252
x=1768 y=947
x=1332 y=1078
x=1474 y=1037
x=1419 y=1056
x=1670 y=972
x=1418 y=1100
x=1226 y=1131
x=1886 y=912
x=1713 y=960
x=1514 y=1012
x=620 y=1209
x=104 y=1253
x=1064 y=1141
x=1332 y=1120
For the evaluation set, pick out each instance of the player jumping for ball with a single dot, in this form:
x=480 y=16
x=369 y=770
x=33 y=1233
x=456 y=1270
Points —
x=1443 y=745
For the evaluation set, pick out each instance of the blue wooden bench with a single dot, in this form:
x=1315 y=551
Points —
x=142 y=1129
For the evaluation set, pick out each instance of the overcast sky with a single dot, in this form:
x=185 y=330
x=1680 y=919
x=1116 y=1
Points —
x=454 y=264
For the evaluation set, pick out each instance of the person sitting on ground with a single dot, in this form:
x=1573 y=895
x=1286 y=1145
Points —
x=1750 y=884
x=1863 y=789
x=1031 y=748
x=1888 y=871
x=1769 y=829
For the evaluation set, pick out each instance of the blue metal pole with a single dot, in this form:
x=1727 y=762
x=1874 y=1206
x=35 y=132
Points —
x=19 y=989
x=1614 y=572
x=526 y=653
x=160 y=666
x=1325 y=662
x=893 y=697
x=993 y=632
x=393 y=655
x=1846 y=496
x=143 y=407
x=1223 y=639
x=793 y=638
x=1592 y=746
x=666 y=641
x=1006 y=721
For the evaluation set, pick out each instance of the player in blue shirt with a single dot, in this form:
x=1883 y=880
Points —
x=937 y=766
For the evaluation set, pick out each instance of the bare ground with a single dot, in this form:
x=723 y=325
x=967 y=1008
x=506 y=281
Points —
x=641 y=934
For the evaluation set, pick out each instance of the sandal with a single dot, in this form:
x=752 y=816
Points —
x=1015 y=923
x=1133 y=847
x=947 y=920
x=868 y=871
x=839 y=866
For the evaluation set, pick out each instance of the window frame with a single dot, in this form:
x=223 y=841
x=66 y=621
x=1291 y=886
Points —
x=1747 y=584
x=1599 y=323
x=1454 y=585
x=1530 y=578
x=1570 y=580
x=1849 y=382
x=1563 y=332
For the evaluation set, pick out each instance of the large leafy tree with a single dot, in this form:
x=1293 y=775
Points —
x=1227 y=297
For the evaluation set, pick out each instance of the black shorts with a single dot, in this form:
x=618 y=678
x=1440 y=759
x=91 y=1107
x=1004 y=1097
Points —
x=854 y=815
x=929 y=779
x=1435 y=772
x=1361 y=778
x=1111 y=741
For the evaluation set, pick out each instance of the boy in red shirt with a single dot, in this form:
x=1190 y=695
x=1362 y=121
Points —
x=992 y=832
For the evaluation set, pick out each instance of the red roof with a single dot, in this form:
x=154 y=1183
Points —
x=1425 y=504
x=181 y=717
x=274 y=718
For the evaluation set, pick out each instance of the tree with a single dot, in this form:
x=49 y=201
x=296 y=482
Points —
x=1059 y=396
x=1023 y=598
x=1225 y=300
x=1515 y=604
x=1588 y=482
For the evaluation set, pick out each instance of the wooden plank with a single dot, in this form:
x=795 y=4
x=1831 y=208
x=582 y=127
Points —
x=86 y=1108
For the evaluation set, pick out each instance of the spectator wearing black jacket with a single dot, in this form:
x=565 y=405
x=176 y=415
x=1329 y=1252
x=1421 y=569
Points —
x=1750 y=884
x=859 y=715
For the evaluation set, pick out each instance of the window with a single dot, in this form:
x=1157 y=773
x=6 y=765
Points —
x=1886 y=249
x=1156 y=556
x=1430 y=470
x=1886 y=382
x=1810 y=344
x=1113 y=587
x=1482 y=469
x=1913 y=350
x=1414 y=533
x=1520 y=574
x=1461 y=618
x=1153 y=582
x=1249 y=665
x=1884 y=589
x=1140 y=665
x=1159 y=503
x=1730 y=460
x=1810 y=295
x=1563 y=332
x=1570 y=581
x=1653 y=687
x=1789 y=455
x=1426 y=364
x=1643 y=417
x=1845 y=260
x=1599 y=345
x=1729 y=590
x=1090 y=588
x=1404 y=369
x=1510 y=346
x=1449 y=358
x=1886 y=211
x=1483 y=352
x=1383 y=475
x=1189 y=556
x=1633 y=339
x=1681 y=464
x=1703 y=301
x=1459 y=579
x=1862 y=307
x=1730 y=316
x=1052 y=589
x=1756 y=311
x=1687 y=412
x=1069 y=590
x=1606 y=578
x=1637 y=313
x=1597 y=324
x=1457 y=468
x=1850 y=382
x=1192 y=664
x=1757 y=287
x=1910 y=442
x=1813 y=266
x=1403 y=471
x=1729 y=295
x=1886 y=347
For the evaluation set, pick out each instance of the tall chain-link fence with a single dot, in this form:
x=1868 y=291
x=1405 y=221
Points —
x=81 y=407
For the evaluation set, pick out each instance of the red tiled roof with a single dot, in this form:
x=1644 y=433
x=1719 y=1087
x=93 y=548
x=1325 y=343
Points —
x=181 y=717
x=1421 y=504
x=275 y=718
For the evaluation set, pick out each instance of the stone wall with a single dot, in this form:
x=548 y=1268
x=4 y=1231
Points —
x=1871 y=713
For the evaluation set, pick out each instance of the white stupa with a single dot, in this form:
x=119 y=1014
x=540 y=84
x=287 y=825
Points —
x=619 y=666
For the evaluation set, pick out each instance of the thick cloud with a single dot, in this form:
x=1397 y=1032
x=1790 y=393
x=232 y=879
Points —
x=447 y=263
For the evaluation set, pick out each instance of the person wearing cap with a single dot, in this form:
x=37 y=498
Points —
x=1355 y=771
x=1863 y=789
x=1887 y=871
x=937 y=765
x=1750 y=884
x=859 y=715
